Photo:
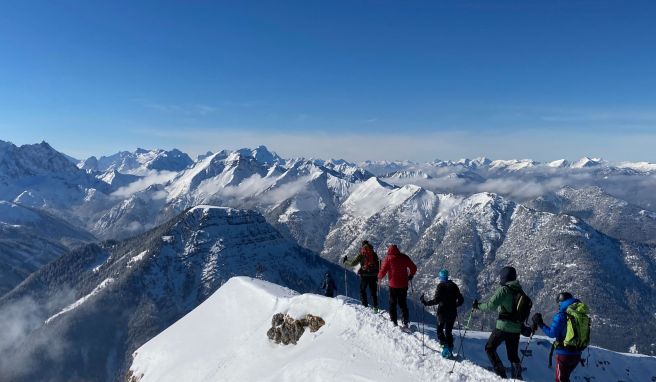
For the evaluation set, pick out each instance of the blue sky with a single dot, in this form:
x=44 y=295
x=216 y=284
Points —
x=354 y=79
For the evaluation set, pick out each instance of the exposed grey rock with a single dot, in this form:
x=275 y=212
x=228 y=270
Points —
x=287 y=330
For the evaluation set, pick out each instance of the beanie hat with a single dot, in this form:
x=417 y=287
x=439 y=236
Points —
x=443 y=275
x=507 y=274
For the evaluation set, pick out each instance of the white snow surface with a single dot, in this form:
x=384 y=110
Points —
x=224 y=339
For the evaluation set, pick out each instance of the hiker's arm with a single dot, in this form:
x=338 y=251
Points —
x=555 y=328
x=459 y=298
x=494 y=301
x=383 y=269
x=436 y=298
x=355 y=261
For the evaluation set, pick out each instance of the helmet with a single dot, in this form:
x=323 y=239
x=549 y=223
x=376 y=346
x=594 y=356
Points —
x=564 y=296
x=507 y=274
x=443 y=275
x=365 y=242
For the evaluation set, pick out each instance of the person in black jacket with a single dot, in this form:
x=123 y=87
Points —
x=447 y=298
x=328 y=285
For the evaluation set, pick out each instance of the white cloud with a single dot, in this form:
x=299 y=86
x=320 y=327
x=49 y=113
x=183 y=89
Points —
x=154 y=177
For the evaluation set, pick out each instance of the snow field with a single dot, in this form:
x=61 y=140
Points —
x=224 y=339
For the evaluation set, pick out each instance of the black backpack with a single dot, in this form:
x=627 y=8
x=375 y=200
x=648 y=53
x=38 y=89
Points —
x=521 y=307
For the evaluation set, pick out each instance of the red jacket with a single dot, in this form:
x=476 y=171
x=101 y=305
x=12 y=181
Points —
x=397 y=264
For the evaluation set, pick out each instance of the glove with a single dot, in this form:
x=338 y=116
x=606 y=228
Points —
x=475 y=304
x=537 y=320
x=422 y=299
x=410 y=277
x=344 y=259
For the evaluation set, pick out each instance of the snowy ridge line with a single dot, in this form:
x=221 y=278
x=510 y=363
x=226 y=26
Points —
x=82 y=300
x=354 y=345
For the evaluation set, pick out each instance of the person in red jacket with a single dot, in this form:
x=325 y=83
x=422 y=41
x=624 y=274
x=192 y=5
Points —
x=401 y=270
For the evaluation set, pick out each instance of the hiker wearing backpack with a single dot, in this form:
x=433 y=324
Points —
x=447 y=298
x=369 y=264
x=401 y=270
x=328 y=285
x=514 y=307
x=571 y=329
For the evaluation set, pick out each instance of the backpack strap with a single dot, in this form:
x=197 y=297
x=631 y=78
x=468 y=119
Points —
x=508 y=316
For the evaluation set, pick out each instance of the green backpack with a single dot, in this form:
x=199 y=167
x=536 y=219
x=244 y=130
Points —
x=577 y=336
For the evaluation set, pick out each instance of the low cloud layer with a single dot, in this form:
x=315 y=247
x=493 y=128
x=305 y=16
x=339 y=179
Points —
x=22 y=344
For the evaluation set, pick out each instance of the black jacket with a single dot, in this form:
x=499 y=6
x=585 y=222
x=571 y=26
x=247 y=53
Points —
x=447 y=297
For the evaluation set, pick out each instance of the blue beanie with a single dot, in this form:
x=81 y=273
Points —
x=443 y=275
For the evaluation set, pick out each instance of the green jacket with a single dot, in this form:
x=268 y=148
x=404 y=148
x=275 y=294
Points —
x=502 y=301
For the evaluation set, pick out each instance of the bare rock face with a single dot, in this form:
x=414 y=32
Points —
x=287 y=330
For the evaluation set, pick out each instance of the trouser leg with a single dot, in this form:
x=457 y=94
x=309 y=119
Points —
x=512 y=347
x=403 y=303
x=565 y=365
x=448 y=330
x=440 y=330
x=392 y=304
x=496 y=338
x=512 y=350
x=373 y=289
x=363 y=291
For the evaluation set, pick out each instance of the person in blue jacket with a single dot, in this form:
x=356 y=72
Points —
x=566 y=359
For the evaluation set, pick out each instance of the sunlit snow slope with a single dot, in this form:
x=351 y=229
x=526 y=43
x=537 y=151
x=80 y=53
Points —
x=224 y=339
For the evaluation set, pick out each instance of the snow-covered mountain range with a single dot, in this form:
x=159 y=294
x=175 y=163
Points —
x=81 y=316
x=586 y=226
x=218 y=338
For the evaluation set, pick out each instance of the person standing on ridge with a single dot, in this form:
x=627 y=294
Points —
x=507 y=328
x=447 y=298
x=570 y=339
x=328 y=287
x=369 y=264
x=401 y=270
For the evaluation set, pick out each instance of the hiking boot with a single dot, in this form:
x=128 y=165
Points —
x=500 y=370
x=517 y=371
x=445 y=352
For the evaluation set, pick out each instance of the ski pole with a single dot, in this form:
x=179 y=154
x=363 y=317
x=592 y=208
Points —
x=423 y=331
x=345 y=282
x=526 y=348
x=462 y=340
x=412 y=291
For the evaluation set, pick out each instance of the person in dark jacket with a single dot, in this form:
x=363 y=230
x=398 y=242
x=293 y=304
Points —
x=368 y=262
x=506 y=330
x=328 y=287
x=401 y=270
x=566 y=359
x=447 y=298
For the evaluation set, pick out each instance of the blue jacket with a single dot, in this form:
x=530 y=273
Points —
x=558 y=327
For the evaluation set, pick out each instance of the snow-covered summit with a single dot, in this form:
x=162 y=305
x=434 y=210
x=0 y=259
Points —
x=224 y=337
x=139 y=162
x=586 y=162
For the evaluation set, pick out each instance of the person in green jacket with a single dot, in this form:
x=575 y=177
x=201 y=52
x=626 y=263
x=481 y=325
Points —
x=369 y=264
x=506 y=329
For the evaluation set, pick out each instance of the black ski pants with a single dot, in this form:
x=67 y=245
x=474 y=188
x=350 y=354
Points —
x=512 y=347
x=371 y=282
x=445 y=322
x=399 y=296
